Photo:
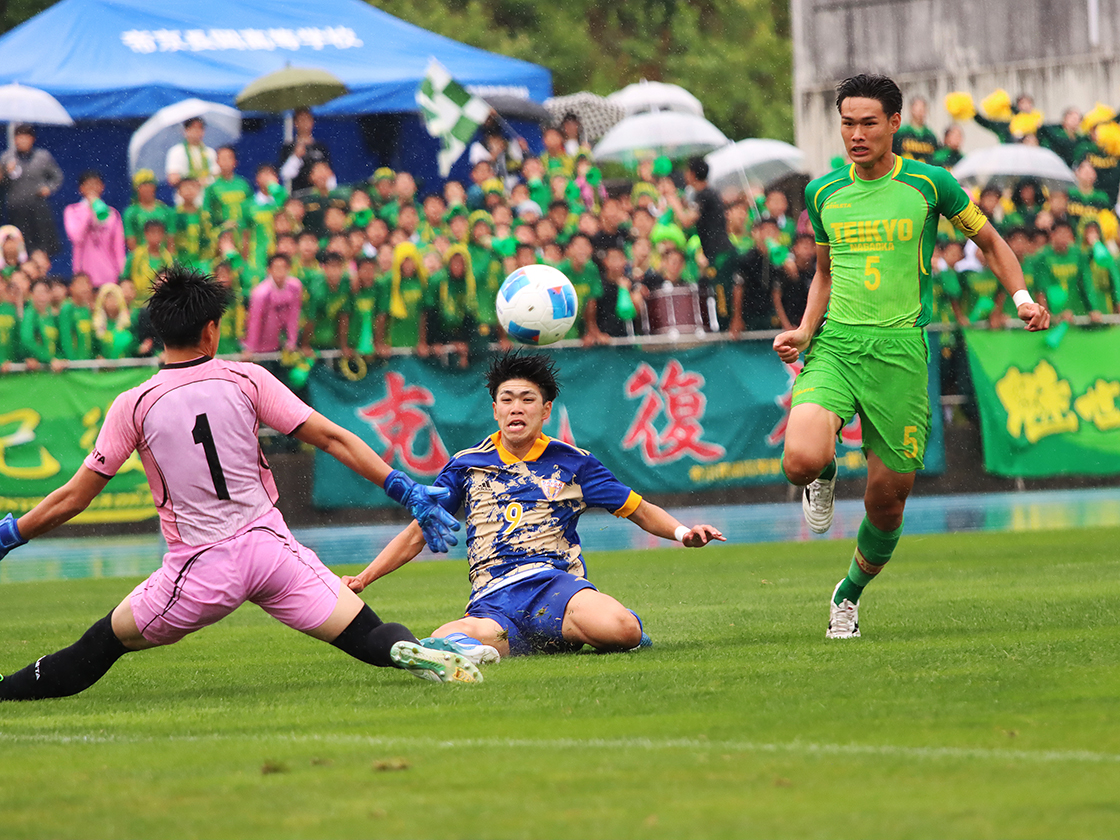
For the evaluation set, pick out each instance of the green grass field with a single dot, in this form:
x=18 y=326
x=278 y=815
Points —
x=982 y=702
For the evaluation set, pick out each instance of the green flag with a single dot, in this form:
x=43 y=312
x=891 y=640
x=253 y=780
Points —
x=451 y=113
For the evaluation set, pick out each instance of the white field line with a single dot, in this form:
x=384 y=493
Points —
x=802 y=748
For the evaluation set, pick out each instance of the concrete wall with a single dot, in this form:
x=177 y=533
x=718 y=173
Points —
x=1062 y=53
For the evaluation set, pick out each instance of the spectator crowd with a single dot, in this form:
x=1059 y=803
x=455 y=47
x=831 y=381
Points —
x=381 y=265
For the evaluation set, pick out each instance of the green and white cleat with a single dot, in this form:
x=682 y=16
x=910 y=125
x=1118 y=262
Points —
x=465 y=646
x=435 y=665
x=819 y=504
x=843 y=618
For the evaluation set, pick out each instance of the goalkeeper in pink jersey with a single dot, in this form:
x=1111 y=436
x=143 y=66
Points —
x=194 y=425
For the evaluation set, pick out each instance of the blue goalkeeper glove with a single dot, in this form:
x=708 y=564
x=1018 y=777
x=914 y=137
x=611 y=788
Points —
x=422 y=502
x=10 y=537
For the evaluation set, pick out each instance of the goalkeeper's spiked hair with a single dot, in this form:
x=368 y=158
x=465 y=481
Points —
x=184 y=301
x=537 y=368
x=871 y=86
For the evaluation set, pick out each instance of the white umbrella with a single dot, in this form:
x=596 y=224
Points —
x=150 y=142
x=23 y=104
x=667 y=133
x=756 y=161
x=646 y=96
x=1010 y=161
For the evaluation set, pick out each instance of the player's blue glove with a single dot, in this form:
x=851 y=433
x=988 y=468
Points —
x=10 y=537
x=422 y=502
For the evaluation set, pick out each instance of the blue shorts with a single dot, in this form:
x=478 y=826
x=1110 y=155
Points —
x=531 y=611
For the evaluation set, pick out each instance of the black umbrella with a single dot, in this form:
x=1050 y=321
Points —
x=518 y=108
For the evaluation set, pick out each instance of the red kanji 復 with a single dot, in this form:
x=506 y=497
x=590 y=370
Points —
x=676 y=393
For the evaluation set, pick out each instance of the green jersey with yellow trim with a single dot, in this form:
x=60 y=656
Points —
x=881 y=236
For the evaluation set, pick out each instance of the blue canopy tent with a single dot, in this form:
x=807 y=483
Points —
x=112 y=63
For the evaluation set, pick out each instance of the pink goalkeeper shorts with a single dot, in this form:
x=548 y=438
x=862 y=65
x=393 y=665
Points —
x=263 y=563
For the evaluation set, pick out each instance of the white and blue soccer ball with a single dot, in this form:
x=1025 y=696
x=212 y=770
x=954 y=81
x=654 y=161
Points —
x=537 y=304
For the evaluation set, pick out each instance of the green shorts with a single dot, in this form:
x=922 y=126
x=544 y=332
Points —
x=879 y=373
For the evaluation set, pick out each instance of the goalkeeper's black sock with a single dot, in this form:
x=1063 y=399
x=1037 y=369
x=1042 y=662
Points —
x=369 y=639
x=70 y=670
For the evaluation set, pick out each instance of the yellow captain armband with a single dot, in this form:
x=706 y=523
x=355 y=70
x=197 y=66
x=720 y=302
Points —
x=970 y=220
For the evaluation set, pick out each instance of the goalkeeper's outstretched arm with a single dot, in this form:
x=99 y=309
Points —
x=63 y=504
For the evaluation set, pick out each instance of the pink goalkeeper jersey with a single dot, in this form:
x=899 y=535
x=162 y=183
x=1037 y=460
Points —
x=194 y=425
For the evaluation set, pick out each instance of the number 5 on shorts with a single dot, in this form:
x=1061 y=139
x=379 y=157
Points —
x=871 y=271
x=908 y=440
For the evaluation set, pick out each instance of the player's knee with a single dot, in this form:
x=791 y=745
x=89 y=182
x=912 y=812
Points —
x=885 y=513
x=885 y=517
x=803 y=466
x=624 y=631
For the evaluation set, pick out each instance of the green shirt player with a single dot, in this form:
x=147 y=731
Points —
x=874 y=223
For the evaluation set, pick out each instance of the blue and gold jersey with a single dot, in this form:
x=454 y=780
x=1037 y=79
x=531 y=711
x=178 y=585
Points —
x=522 y=514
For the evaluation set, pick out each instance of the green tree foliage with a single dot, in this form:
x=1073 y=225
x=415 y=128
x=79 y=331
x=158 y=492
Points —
x=15 y=12
x=734 y=55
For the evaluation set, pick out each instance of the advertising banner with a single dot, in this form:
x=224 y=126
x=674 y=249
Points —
x=1047 y=411
x=680 y=420
x=48 y=424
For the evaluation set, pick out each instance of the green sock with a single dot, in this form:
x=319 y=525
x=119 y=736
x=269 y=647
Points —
x=829 y=472
x=873 y=549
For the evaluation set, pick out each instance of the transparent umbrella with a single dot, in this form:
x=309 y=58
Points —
x=23 y=104
x=668 y=133
x=1008 y=162
x=150 y=142
x=644 y=96
x=756 y=161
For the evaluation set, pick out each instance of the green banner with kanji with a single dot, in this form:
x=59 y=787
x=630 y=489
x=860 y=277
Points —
x=48 y=424
x=1046 y=410
x=667 y=421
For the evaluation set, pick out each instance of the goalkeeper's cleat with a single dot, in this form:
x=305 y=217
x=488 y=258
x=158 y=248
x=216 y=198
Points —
x=843 y=618
x=819 y=503
x=464 y=645
x=435 y=665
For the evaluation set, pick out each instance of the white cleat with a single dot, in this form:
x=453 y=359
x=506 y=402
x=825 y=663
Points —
x=465 y=646
x=818 y=503
x=843 y=618
x=435 y=665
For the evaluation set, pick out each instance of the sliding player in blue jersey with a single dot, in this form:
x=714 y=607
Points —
x=523 y=494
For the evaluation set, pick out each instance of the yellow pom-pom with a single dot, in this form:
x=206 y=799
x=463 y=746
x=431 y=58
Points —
x=1025 y=123
x=1108 y=138
x=1110 y=225
x=1100 y=113
x=997 y=105
x=959 y=105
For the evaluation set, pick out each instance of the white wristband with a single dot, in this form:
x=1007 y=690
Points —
x=679 y=534
x=1020 y=297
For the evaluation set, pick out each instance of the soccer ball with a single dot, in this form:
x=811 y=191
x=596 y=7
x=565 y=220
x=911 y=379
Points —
x=537 y=304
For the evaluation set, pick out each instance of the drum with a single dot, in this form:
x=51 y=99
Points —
x=674 y=310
